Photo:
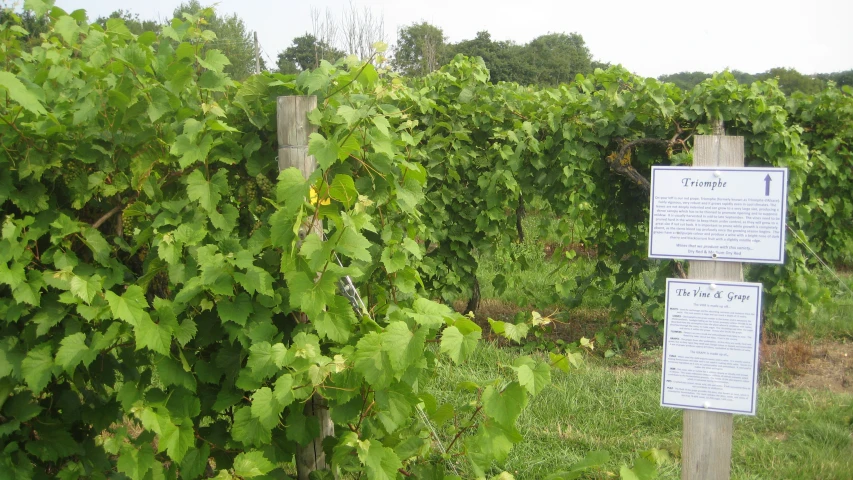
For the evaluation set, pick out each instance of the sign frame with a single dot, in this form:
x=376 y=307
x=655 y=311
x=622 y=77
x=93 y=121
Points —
x=675 y=375
x=664 y=246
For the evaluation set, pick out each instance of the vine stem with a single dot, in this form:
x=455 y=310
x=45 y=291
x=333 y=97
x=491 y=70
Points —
x=464 y=429
x=107 y=216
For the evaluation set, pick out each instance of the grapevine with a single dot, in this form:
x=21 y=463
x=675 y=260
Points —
x=153 y=268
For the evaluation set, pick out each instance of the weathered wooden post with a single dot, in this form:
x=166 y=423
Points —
x=707 y=436
x=293 y=132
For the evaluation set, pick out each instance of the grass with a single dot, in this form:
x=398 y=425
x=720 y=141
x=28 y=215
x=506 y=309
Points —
x=531 y=267
x=796 y=433
x=834 y=319
x=613 y=404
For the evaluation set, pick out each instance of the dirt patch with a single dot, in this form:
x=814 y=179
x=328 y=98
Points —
x=797 y=363
x=818 y=366
x=569 y=327
x=579 y=249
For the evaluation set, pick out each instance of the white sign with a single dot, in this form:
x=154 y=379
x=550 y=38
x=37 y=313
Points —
x=710 y=349
x=727 y=214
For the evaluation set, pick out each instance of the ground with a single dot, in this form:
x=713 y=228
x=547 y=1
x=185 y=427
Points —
x=797 y=362
x=823 y=365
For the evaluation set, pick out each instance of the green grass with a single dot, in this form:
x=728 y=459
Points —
x=533 y=275
x=613 y=404
x=796 y=433
x=833 y=320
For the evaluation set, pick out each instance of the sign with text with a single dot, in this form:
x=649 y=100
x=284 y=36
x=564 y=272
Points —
x=726 y=214
x=710 y=348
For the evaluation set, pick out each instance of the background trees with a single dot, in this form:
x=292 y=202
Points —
x=132 y=21
x=420 y=49
x=549 y=59
x=505 y=59
x=357 y=33
x=306 y=53
x=233 y=38
x=556 y=58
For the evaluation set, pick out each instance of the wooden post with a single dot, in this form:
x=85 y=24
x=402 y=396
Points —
x=257 y=55
x=293 y=133
x=707 y=440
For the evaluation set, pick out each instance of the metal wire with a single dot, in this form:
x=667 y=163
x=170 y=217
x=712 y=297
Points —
x=827 y=267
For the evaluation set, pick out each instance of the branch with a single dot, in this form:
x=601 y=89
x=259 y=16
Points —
x=627 y=170
x=107 y=216
x=678 y=269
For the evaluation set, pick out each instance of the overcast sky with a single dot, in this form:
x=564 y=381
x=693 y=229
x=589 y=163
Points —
x=650 y=37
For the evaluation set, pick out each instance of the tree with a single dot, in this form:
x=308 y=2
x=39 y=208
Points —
x=840 y=78
x=504 y=59
x=131 y=21
x=791 y=81
x=557 y=57
x=29 y=21
x=232 y=38
x=420 y=49
x=306 y=53
x=361 y=29
x=285 y=66
x=688 y=80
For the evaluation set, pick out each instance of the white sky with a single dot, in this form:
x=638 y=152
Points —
x=650 y=37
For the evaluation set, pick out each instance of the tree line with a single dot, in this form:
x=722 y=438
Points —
x=789 y=79
x=233 y=38
x=547 y=60
x=421 y=48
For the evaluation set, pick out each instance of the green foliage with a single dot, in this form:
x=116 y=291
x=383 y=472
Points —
x=688 y=80
x=231 y=37
x=556 y=58
x=419 y=50
x=152 y=272
x=306 y=54
x=826 y=119
x=155 y=271
x=789 y=80
x=505 y=60
x=136 y=25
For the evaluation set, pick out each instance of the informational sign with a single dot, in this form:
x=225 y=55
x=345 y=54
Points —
x=726 y=214
x=710 y=349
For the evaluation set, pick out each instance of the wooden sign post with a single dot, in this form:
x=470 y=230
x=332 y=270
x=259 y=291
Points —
x=293 y=132
x=707 y=436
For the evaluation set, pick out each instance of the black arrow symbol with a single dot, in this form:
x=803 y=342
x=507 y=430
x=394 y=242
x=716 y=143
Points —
x=767 y=185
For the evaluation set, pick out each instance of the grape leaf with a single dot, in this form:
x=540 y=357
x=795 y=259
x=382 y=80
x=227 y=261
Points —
x=403 y=347
x=177 y=439
x=131 y=306
x=72 y=351
x=336 y=323
x=213 y=60
x=308 y=296
x=429 y=314
x=266 y=407
x=249 y=430
x=152 y=336
x=252 y=464
x=381 y=462
x=236 y=311
x=206 y=193
x=505 y=406
x=343 y=190
x=19 y=93
x=86 y=287
x=532 y=375
x=460 y=340
x=37 y=367
x=325 y=151
x=301 y=428
x=372 y=362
